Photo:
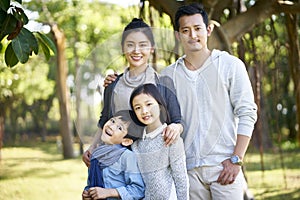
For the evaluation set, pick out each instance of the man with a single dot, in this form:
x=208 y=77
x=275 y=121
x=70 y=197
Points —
x=218 y=109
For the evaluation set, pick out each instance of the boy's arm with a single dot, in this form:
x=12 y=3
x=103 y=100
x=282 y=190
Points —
x=135 y=187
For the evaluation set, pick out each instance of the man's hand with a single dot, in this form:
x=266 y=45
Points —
x=229 y=173
x=171 y=133
x=86 y=157
x=109 y=79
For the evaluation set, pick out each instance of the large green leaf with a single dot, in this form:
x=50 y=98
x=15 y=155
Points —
x=10 y=56
x=8 y=25
x=4 y=4
x=24 y=44
x=47 y=41
x=3 y=15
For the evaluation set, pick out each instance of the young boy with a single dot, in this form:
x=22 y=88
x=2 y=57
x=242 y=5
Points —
x=113 y=172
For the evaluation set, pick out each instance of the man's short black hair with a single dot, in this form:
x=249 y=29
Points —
x=190 y=9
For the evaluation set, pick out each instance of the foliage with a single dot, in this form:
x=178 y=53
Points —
x=20 y=42
x=278 y=100
x=96 y=39
x=22 y=89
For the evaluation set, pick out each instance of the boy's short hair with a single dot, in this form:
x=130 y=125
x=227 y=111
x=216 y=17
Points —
x=135 y=128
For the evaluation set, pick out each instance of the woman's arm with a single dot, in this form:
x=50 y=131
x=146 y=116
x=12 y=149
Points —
x=167 y=90
x=105 y=115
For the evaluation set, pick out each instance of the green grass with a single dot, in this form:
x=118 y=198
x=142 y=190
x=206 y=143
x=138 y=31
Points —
x=37 y=171
x=30 y=173
x=278 y=181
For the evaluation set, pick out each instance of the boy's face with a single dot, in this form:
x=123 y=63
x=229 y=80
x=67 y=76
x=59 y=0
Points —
x=114 y=131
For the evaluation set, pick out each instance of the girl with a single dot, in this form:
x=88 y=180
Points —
x=137 y=45
x=163 y=168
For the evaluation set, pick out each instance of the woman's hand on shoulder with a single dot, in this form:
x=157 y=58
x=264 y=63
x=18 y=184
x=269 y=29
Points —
x=86 y=157
x=172 y=132
x=109 y=79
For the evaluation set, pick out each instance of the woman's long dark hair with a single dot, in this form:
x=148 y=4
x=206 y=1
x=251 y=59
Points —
x=151 y=89
x=138 y=25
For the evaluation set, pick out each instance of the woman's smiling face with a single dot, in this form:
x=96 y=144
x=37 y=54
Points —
x=137 y=49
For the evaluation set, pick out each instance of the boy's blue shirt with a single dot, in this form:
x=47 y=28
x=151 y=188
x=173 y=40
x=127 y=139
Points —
x=124 y=175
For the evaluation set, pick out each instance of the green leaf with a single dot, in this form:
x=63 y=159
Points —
x=45 y=48
x=3 y=15
x=4 y=4
x=10 y=56
x=8 y=25
x=24 y=17
x=47 y=41
x=19 y=1
x=24 y=44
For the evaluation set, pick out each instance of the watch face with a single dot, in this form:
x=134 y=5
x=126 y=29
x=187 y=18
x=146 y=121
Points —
x=234 y=159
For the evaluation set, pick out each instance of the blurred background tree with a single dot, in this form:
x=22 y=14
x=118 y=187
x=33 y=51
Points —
x=264 y=34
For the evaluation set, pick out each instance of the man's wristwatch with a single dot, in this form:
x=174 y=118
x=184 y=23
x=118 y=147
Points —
x=235 y=159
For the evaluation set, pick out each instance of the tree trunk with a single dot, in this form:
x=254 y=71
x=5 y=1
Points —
x=63 y=93
x=2 y=124
x=294 y=62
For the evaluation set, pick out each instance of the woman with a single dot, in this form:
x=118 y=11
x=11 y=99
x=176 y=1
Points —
x=137 y=45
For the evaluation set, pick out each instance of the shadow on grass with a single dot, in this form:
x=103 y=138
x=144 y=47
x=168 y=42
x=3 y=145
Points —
x=272 y=160
x=275 y=195
x=38 y=161
x=33 y=172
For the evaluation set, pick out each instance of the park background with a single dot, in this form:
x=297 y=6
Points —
x=50 y=102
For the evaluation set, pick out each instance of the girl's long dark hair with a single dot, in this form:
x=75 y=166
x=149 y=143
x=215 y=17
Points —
x=151 y=89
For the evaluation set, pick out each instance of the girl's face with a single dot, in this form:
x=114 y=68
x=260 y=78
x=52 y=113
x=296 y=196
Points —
x=137 y=49
x=147 y=110
x=114 y=131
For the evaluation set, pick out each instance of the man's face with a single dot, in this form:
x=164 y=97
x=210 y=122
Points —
x=193 y=33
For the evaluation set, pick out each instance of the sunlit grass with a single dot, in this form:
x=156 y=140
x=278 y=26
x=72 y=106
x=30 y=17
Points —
x=37 y=171
x=30 y=173
x=280 y=179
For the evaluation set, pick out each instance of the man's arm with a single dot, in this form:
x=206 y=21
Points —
x=231 y=170
x=241 y=146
